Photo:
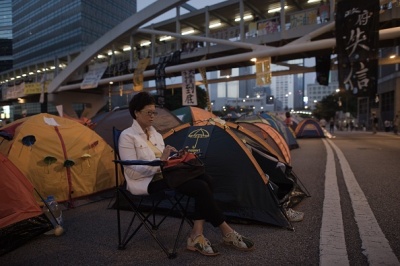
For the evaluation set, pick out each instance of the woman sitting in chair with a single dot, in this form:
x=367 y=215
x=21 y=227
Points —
x=142 y=142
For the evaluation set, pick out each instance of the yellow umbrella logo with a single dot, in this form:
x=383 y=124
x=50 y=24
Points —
x=197 y=134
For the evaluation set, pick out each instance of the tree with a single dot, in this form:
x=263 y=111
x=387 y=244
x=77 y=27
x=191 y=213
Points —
x=326 y=108
x=343 y=101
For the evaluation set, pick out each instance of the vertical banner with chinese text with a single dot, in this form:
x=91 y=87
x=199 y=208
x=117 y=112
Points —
x=160 y=74
x=357 y=36
x=189 y=95
x=171 y=59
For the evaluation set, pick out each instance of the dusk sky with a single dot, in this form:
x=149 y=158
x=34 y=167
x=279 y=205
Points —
x=309 y=77
x=170 y=14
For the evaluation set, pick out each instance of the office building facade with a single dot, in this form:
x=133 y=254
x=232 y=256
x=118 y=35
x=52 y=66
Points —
x=317 y=92
x=42 y=31
x=5 y=35
x=45 y=29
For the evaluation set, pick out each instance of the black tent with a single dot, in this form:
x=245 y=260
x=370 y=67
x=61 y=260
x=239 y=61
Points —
x=242 y=189
x=288 y=190
x=122 y=119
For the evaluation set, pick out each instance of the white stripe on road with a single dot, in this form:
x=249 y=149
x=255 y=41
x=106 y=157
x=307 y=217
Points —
x=374 y=243
x=332 y=245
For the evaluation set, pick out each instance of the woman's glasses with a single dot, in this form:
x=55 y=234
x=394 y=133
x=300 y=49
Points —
x=150 y=113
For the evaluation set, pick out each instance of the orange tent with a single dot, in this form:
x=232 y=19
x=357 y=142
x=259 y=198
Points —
x=309 y=128
x=59 y=156
x=21 y=217
x=271 y=136
x=194 y=115
x=17 y=202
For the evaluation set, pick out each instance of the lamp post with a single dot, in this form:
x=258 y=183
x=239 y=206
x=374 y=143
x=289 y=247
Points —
x=363 y=111
x=109 y=96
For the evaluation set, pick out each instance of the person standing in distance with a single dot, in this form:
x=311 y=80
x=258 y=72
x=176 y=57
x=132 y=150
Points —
x=374 y=123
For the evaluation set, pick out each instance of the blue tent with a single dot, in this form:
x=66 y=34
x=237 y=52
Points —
x=309 y=128
x=285 y=131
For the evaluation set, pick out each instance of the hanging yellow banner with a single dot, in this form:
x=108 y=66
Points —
x=263 y=71
x=35 y=88
x=138 y=74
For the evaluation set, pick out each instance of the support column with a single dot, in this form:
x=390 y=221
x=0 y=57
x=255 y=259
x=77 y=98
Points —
x=242 y=31
x=43 y=95
x=131 y=42
x=332 y=10
x=178 y=28
x=207 y=14
x=153 y=48
x=283 y=20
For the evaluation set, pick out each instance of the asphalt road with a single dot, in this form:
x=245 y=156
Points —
x=352 y=217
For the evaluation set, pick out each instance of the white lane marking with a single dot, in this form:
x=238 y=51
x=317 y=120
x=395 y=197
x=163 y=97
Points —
x=374 y=243
x=332 y=246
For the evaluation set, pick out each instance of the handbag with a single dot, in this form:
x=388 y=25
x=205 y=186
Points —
x=178 y=170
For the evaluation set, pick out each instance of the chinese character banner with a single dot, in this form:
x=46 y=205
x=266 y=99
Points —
x=189 y=94
x=357 y=36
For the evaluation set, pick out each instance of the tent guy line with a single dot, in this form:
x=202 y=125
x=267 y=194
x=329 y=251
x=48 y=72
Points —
x=374 y=243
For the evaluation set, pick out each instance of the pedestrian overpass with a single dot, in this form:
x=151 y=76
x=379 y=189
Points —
x=216 y=37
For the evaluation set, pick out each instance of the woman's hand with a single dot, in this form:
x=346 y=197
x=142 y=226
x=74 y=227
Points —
x=166 y=152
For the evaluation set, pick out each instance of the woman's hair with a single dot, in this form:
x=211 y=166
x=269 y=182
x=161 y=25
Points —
x=139 y=101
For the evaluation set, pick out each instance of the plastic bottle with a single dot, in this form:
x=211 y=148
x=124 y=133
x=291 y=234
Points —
x=55 y=210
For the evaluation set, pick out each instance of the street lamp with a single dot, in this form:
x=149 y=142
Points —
x=109 y=96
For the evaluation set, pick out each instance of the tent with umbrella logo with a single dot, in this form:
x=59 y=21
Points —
x=242 y=188
x=194 y=115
